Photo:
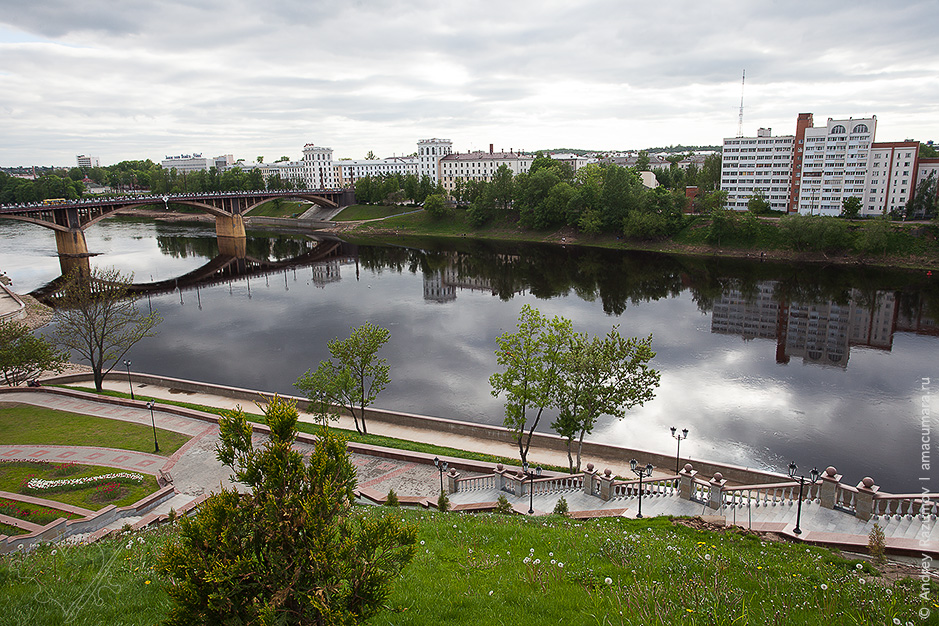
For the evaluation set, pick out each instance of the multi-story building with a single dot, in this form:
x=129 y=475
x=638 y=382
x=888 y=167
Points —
x=88 y=161
x=318 y=170
x=349 y=170
x=761 y=163
x=891 y=176
x=186 y=163
x=480 y=166
x=429 y=153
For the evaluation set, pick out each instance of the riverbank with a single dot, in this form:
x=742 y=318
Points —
x=419 y=225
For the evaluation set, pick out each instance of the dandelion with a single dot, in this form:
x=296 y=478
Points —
x=422 y=542
x=526 y=560
x=553 y=562
x=862 y=581
x=490 y=592
x=896 y=621
x=130 y=544
x=608 y=580
x=53 y=552
x=824 y=587
x=550 y=553
x=859 y=566
x=707 y=557
x=561 y=565
x=537 y=561
x=146 y=582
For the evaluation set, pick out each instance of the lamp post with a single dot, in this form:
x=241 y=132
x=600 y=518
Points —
x=813 y=474
x=640 y=472
x=679 y=437
x=531 y=485
x=156 y=446
x=130 y=384
x=441 y=468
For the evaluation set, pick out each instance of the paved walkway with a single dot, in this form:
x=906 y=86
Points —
x=196 y=470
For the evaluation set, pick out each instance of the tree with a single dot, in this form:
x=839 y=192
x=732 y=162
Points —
x=354 y=376
x=642 y=161
x=709 y=178
x=597 y=377
x=371 y=156
x=925 y=200
x=851 y=207
x=758 y=204
x=24 y=356
x=502 y=186
x=97 y=320
x=531 y=358
x=293 y=550
x=436 y=206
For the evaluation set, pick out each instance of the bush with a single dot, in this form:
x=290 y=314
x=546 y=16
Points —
x=436 y=206
x=560 y=508
x=503 y=505
x=443 y=502
x=877 y=544
x=392 y=498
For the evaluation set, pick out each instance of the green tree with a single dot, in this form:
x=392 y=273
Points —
x=531 y=358
x=600 y=376
x=292 y=550
x=758 y=204
x=709 y=177
x=24 y=356
x=851 y=207
x=642 y=161
x=98 y=321
x=353 y=376
x=925 y=201
x=503 y=187
x=436 y=206
x=371 y=156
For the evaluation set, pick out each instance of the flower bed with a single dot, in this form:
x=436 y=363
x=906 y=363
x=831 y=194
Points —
x=41 y=485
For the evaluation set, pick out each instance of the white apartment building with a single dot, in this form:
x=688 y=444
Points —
x=429 y=153
x=574 y=160
x=834 y=163
x=318 y=170
x=88 y=161
x=480 y=166
x=763 y=162
x=187 y=163
x=350 y=170
x=891 y=177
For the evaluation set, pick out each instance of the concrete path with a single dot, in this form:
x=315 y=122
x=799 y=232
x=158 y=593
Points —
x=196 y=470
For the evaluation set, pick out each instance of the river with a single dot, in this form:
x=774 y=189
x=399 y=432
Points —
x=763 y=363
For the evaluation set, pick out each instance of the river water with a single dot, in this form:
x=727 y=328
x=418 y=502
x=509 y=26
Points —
x=763 y=363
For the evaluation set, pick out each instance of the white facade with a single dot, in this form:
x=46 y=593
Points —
x=429 y=153
x=834 y=164
x=480 y=166
x=351 y=170
x=187 y=163
x=763 y=162
x=318 y=170
x=88 y=161
x=891 y=177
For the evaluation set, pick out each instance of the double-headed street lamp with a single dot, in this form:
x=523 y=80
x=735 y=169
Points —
x=679 y=437
x=441 y=468
x=813 y=474
x=127 y=365
x=156 y=446
x=640 y=472
x=531 y=486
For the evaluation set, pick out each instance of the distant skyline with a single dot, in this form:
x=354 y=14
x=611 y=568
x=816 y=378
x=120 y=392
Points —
x=145 y=80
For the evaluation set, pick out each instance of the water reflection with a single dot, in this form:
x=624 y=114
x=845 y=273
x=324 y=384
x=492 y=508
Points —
x=765 y=363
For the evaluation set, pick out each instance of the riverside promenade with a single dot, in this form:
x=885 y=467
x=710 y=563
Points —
x=195 y=471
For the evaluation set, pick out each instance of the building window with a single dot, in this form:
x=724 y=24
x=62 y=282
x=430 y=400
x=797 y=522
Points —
x=860 y=128
x=838 y=130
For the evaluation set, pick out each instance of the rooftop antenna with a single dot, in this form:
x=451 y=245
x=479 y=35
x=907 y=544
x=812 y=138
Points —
x=740 y=119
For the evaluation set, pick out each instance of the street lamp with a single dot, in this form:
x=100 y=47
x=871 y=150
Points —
x=156 y=446
x=683 y=435
x=130 y=384
x=640 y=472
x=531 y=486
x=813 y=474
x=441 y=468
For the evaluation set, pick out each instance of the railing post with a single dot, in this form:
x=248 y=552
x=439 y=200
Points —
x=864 y=506
x=717 y=491
x=828 y=488
x=452 y=478
x=606 y=484
x=686 y=482
x=523 y=483
x=590 y=476
x=500 y=477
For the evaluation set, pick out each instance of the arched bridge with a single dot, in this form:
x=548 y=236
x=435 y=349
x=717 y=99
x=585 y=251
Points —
x=69 y=219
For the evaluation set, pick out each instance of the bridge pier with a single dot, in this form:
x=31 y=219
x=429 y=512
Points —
x=230 y=232
x=73 y=251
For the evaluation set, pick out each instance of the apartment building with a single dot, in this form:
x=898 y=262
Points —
x=318 y=169
x=891 y=176
x=350 y=170
x=760 y=163
x=87 y=161
x=429 y=154
x=480 y=165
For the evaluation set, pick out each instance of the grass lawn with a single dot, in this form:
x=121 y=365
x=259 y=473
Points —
x=14 y=474
x=492 y=569
x=32 y=512
x=357 y=212
x=28 y=424
x=279 y=208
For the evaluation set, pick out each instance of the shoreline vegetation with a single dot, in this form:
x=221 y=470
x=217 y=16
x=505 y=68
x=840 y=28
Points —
x=921 y=239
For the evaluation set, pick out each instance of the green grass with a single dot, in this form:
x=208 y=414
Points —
x=14 y=474
x=356 y=212
x=34 y=513
x=27 y=424
x=472 y=570
x=273 y=208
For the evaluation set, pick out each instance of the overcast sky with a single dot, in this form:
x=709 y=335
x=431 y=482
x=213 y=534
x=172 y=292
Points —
x=135 y=80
